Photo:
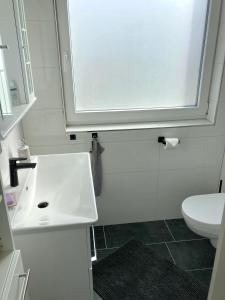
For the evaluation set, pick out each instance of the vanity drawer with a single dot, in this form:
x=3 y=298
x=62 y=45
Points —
x=17 y=280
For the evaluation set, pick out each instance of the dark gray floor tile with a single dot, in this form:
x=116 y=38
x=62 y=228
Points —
x=104 y=253
x=193 y=254
x=99 y=238
x=147 y=232
x=180 y=231
x=203 y=276
x=161 y=250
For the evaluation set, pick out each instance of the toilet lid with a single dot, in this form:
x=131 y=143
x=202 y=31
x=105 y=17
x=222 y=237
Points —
x=205 y=208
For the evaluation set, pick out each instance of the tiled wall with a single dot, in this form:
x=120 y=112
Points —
x=142 y=181
x=9 y=149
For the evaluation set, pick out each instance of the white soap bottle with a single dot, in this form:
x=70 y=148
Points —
x=24 y=150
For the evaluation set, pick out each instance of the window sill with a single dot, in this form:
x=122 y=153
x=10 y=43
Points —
x=135 y=126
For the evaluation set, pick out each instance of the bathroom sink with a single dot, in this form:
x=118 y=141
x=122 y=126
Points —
x=58 y=192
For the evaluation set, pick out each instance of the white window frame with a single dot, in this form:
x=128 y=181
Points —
x=99 y=119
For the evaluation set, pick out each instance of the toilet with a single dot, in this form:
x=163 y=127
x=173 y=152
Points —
x=203 y=214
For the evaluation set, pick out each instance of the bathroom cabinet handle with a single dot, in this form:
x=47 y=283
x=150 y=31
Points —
x=25 y=283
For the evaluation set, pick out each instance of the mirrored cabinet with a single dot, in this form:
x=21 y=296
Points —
x=16 y=82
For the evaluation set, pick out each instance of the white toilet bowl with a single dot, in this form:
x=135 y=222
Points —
x=203 y=214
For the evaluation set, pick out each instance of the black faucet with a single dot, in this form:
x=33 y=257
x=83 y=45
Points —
x=14 y=166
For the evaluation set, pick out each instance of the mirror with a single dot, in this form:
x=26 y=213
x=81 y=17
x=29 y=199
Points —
x=16 y=83
x=5 y=98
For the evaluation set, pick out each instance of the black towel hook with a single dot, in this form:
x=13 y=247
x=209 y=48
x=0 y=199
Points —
x=94 y=135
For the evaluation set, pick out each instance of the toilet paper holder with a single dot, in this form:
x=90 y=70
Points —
x=161 y=140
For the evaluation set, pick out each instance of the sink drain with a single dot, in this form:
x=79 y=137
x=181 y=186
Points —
x=43 y=204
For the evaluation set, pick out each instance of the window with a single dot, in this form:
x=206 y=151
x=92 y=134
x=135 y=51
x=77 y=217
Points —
x=136 y=61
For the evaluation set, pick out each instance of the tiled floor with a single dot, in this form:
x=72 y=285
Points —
x=170 y=238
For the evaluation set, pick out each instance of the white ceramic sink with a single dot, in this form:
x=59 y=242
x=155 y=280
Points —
x=64 y=183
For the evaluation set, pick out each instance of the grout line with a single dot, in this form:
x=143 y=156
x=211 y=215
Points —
x=203 y=269
x=102 y=249
x=169 y=229
x=103 y=227
x=156 y=243
x=201 y=239
x=170 y=254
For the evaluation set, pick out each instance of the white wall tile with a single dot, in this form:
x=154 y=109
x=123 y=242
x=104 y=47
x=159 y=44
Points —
x=60 y=149
x=128 y=197
x=39 y=10
x=43 y=124
x=130 y=156
x=43 y=45
x=54 y=141
x=194 y=153
x=176 y=185
x=47 y=88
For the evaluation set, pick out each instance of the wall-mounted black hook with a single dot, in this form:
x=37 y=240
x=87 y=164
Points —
x=94 y=135
x=161 y=140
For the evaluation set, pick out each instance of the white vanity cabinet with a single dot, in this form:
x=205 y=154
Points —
x=60 y=260
x=51 y=227
x=17 y=280
x=13 y=279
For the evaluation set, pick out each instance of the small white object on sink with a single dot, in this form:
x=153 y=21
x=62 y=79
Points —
x=24 y=151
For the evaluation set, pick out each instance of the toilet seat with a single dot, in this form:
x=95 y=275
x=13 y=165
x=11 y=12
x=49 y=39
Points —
x=203 y=213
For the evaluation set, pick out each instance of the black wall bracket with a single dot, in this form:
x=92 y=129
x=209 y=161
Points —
x=94 y=135
x=73 y=137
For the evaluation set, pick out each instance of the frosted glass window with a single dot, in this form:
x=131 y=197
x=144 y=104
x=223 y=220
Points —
x=136 y=54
